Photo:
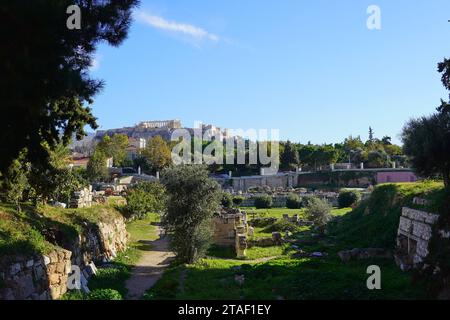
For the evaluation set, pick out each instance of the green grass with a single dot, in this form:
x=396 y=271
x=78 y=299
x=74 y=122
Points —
x=372 y=224
x=265 y=252
x=272 y=212
x=337 y=212
x=284 y=277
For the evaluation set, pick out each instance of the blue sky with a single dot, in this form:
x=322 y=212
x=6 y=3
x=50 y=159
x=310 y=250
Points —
x=309 y=68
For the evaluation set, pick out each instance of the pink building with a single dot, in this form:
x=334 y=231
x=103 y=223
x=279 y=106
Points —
x=395 y=176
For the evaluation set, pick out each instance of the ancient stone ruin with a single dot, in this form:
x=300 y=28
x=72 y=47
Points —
x=231 y=229
x=44 y=277
x=82 y=198
x=414 y=232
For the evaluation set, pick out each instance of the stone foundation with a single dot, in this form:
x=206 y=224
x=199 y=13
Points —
x=231 y=229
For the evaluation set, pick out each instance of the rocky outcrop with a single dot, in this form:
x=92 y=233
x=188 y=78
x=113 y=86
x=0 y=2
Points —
x=44 y=277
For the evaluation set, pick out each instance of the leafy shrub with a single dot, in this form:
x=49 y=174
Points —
x=74 y=295
x=238 y=200
x=348 y=197
x=104 y=294
x=282 y=225
x=262 y=222
x=306 y=201
x=293 y=201
x=144 y=198
x=227 y=200
x=263 y=202
x=318 y=211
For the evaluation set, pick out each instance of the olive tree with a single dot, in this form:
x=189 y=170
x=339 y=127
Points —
x=426 y=141
x=192 y=200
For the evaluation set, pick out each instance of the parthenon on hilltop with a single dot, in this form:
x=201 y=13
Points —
x=169 y=124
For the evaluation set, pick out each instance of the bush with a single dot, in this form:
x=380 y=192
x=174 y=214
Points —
x=293 y=201
x=238 y=200
x=263 y=202
x=104 y=294
x=144 y=198
x=318 y=211
x=227 y=200
x=348 y=197
x=282 y=226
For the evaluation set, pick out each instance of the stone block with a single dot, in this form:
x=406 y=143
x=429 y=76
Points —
x=38 y=272
x=405 y=224
x=422 y=248
x=55 y=292
x=53 y=257
x=26 y=286
x=15 y=269
x=422 y=230
x=61 y=267
x=54 y=279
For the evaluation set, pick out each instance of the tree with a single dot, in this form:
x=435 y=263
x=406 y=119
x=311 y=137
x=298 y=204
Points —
x=238 y=200
x=319 y=211
x=55 y=180
x=386 y=140
x=96 y=167
x=289 y=157
x=306 y=155
x=144 y=198
x=371 y=137
x=47 y=92
x=157 y=153
x=263 y=202
x=293 y=201
x=347 y=198
x=114 y=147
x=325 y=155
x=193 y=198
x=377 y=159
x=227 y=200
x=15 y=181
x=426 y=141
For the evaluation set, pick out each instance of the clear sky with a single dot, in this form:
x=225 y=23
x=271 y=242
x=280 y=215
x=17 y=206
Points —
x=310 y=68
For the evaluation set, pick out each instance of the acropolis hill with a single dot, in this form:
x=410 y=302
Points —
x=163 y=128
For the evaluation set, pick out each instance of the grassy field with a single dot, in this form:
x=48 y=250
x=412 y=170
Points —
x=289 y=272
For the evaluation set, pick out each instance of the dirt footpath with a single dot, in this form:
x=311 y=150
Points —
x=150 y=266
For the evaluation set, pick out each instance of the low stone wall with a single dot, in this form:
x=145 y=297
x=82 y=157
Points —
x=44 y=277
x=100 y=243
x=36 y=278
